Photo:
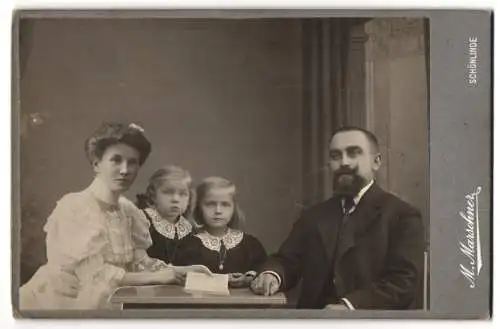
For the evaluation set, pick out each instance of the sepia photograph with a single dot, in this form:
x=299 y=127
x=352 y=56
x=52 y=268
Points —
x=223 y=163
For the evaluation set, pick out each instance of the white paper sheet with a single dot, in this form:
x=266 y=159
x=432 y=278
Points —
x=203 y=283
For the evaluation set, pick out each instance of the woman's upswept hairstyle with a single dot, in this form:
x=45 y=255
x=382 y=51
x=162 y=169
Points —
x=112 y=133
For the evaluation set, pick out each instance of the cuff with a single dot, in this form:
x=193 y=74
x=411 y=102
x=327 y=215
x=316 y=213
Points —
x=276 y=275
x=348 y=304
x=144 y=263
x=150 y=265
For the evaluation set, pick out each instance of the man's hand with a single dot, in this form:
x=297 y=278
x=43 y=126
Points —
x=265 y=284
x=336 y=307
x=64 y=283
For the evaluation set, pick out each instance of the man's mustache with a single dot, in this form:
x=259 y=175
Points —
x=345 y=171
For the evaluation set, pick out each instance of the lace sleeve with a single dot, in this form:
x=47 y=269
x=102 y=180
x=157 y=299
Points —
x=141 y=239
x=139 y=225
x=143 y=263
x=71 y=234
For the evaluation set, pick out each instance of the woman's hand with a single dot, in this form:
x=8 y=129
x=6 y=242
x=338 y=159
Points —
x=180 y=272
x=192 y=268
x=164 y=276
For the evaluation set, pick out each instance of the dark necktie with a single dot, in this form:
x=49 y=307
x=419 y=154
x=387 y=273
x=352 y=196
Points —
x=348 y=204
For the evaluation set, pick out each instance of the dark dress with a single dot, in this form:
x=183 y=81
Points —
x=166 y=236
x=238 y=252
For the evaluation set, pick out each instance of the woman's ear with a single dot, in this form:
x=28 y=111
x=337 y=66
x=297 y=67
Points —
x=95 y=165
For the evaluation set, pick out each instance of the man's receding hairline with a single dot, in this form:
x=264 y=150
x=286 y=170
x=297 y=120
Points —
x=372 y=143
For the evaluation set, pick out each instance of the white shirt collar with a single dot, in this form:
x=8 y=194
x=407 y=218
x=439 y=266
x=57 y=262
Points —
x=360 y=195
x=362 y=192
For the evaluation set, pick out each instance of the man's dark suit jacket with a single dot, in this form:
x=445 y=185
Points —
x=374 y=258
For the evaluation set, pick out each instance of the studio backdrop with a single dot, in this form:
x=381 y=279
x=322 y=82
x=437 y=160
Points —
x=254 y=101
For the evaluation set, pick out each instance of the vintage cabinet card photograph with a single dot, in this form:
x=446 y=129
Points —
x=252 y=163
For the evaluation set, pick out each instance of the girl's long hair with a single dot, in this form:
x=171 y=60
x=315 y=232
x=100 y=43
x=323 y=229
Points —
x=159 y=177
x=237 y=220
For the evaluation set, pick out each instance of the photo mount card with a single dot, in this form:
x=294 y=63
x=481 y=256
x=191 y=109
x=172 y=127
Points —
x=258 y=105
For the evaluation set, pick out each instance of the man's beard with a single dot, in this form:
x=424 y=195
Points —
x=347 y=183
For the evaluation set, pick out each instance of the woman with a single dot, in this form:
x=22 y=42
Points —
x=97 y=234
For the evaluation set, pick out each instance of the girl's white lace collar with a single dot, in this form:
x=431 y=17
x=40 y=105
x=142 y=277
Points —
x=231 y=239
x=166 y=228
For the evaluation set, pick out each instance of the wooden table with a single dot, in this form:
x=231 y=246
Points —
x=173 y=296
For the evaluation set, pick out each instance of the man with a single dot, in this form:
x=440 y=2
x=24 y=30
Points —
x=361 y=249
